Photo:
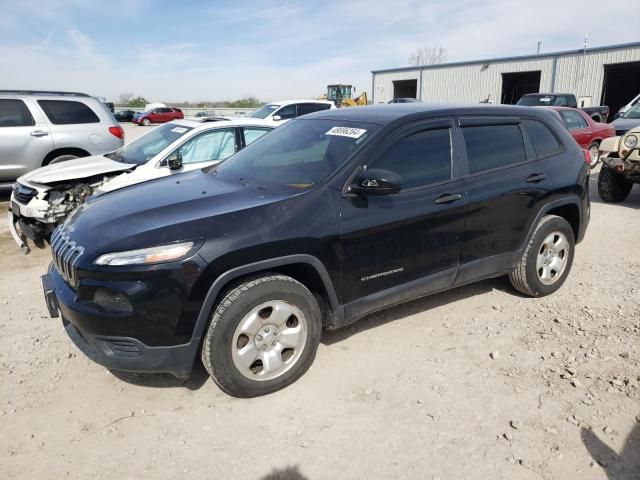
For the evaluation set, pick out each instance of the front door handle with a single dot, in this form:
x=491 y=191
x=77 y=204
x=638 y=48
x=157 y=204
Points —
x=447 y=198
x=39 y=133
x=536 y=177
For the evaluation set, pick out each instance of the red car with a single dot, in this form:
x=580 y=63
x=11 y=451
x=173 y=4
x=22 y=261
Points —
x=585 y=130
x=158 y=115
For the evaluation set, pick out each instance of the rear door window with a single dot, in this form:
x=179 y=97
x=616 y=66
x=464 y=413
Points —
x=573 y=120
x=305 y=108
x=68 y=112
x=14 y=113
x=544 y=141
x=421 y=159
x=493 y=146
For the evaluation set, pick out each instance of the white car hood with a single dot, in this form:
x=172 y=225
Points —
x=75 y=169
x=141 y=174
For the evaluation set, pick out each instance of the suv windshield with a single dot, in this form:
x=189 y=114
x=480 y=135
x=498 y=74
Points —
x=143 y=149
x=633 y=112
x=265 y=111
x=300 y=154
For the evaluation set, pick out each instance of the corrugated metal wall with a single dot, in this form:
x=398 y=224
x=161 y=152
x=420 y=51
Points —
x=383 y=84
x=584 y=74
x=471 y=83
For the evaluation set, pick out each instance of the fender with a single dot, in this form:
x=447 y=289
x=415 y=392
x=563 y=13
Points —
x=237 y=272
x=572 y=200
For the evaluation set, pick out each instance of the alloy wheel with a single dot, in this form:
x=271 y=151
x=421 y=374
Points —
x=269 y=340
x=552 y=257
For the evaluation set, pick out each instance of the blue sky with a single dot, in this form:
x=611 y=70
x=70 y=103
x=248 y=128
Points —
x=216 y=50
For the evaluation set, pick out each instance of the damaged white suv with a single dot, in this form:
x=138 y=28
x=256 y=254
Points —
x=43 y=198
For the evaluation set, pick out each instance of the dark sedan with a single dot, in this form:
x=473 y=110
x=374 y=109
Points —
x=124 y=115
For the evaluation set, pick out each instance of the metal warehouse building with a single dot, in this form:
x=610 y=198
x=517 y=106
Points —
x=597 y=76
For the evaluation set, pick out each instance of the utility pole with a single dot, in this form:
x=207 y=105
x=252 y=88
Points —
x=539 y=46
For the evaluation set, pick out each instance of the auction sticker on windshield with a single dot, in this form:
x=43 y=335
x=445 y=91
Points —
x=179 y=129
x=347 y=132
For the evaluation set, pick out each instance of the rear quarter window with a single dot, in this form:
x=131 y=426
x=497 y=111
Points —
x=68 y=112
x=544 y=141
x=14 y=113
x=493 y=146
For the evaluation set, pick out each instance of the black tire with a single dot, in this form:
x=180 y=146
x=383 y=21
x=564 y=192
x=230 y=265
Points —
x=524 y=277
x=239 y=300
x=146 y=122
x=596 y=146
x=612 y=187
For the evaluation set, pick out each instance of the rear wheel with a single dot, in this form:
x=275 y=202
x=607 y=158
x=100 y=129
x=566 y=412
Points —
x=547 y=259
x=612 y=186
x=594 y=153
x=263 y=335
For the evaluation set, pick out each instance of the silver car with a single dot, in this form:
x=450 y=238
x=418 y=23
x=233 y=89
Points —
x=40 y=128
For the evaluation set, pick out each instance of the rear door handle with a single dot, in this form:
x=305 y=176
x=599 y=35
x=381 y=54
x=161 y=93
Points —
x=447 y=198
x=39 y=133
x=536 y=177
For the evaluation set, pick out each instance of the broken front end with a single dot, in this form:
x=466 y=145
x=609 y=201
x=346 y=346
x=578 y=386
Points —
x=36 y=210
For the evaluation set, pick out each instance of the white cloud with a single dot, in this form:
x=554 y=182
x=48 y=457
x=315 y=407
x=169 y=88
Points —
x=279 y=49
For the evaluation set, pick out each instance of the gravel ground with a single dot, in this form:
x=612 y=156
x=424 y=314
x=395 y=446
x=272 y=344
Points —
x=475 y=383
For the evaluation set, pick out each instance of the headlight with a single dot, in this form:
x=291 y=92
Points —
x=146 y=256
x=631 y=141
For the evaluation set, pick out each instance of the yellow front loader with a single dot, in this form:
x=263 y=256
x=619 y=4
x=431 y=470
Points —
x=342 y=96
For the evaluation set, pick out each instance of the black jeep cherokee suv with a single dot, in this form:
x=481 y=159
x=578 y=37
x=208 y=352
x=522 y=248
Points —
x=326 y=219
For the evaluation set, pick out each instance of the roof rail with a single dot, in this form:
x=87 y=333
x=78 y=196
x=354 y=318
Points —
x=43 y=92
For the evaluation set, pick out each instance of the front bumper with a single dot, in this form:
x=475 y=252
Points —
x=18 y=237
x=115 y=352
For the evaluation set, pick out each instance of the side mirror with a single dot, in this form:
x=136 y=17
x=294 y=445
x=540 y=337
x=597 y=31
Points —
x=376 y=182
x=617 y=115
x=174 y=161
x=276 y=118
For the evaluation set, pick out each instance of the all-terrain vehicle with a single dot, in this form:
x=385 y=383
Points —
x=620 y=158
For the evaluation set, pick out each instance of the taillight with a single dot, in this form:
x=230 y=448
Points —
x=117 y=132
x=587 y=156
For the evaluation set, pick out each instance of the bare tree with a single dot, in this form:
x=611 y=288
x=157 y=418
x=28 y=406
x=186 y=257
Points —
x=124 y=97
x=428 y=56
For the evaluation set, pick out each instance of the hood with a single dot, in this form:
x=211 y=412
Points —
x=161 y=211
x=625 y=124
x=75 y=169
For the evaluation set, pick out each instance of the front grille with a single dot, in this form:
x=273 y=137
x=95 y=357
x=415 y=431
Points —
x=65 y=255
x=23 y=194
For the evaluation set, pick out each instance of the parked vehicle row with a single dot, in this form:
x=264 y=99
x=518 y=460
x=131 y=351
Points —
x=320 y=222
x=598 y=114
x=43 y=198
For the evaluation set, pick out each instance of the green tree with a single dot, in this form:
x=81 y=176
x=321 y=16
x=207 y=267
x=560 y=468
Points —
x=137 y=102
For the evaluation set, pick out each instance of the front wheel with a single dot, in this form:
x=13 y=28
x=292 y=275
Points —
x=263 y=335
x=146 y=122
x=547 y=259
x=612 y=187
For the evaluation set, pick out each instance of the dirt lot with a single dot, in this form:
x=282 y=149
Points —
x=475 y=383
